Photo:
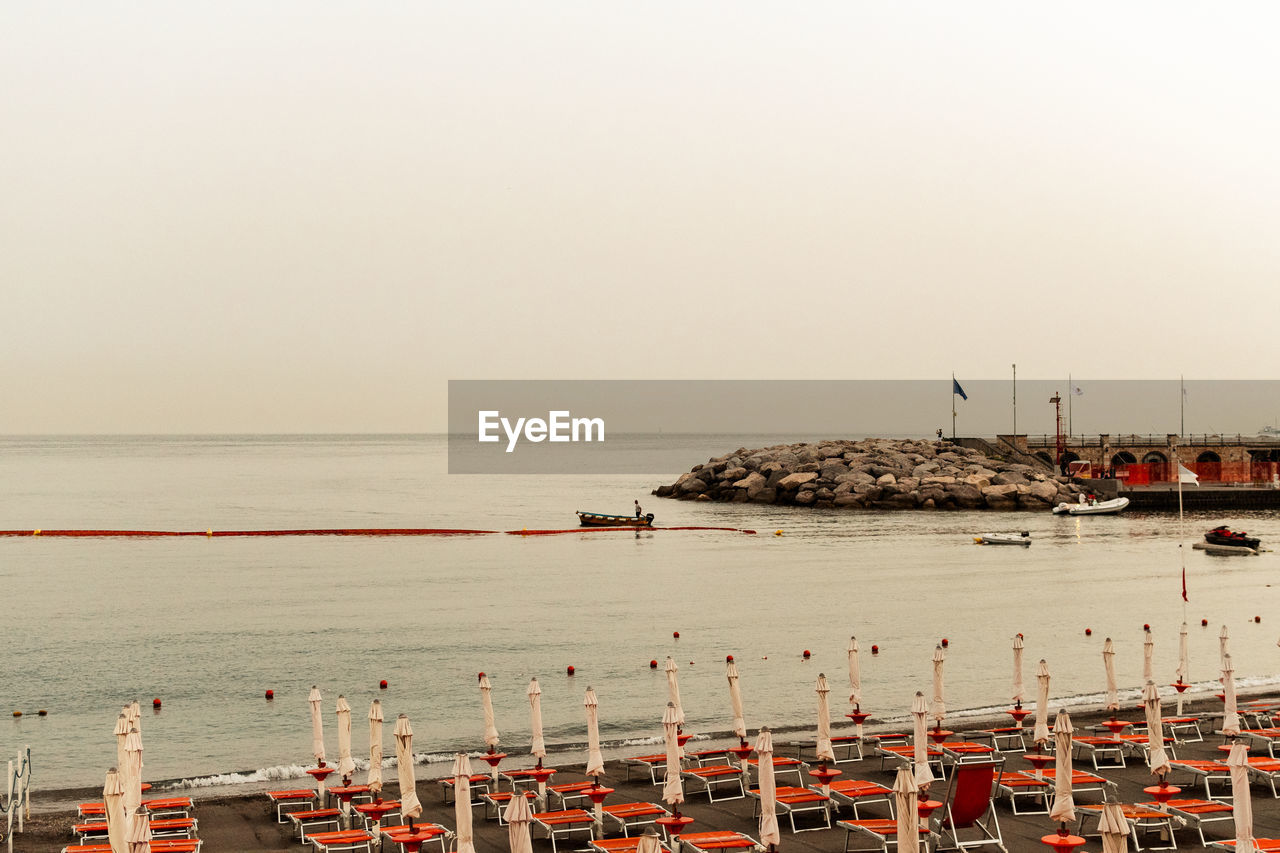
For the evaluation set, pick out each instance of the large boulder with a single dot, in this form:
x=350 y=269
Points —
x=752 y=484
x=792 y=482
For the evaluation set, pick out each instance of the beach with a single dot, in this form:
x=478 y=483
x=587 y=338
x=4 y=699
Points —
x=245 y=823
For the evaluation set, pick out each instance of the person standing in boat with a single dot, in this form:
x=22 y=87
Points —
x=639 y=511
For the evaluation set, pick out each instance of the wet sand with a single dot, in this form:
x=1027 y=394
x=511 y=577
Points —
x=245 y=822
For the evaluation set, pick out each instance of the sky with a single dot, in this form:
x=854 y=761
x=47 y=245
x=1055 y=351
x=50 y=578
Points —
x=310 y=216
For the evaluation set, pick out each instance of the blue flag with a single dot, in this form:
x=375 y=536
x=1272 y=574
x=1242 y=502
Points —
x=956 y=389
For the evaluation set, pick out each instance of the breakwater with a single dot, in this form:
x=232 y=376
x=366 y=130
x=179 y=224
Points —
x=872 y=474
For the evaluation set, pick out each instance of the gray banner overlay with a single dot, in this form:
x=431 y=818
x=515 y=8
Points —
x=666 y=426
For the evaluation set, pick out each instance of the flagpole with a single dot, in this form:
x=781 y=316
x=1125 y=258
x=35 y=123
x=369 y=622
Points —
x=1182 y=404
x=953 y=405
x=1015 y=401
x=1182 y=552
x=1071 y=392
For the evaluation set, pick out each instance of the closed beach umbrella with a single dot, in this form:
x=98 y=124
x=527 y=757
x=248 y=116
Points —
x=1230 y=715
x=1148 y=656
x=1241 y=803
x=538 y=746
x=410 y=807
x=672 y=787
x=825 y=752
x=649 y=842
x=317 y=726
x=519 y=816
x=1113 y=828
x=1223 y=651
x=135 y=713
x=904 y=799
x=121 y=732
x=1157 y=760
x=113 y=806
x=1109 y=665
x=1041 y=733
x=735 y=701
x=490 y=727
x=855 y=676
x=938 y=708
x=132 y=772
x=137 y=834
x=346 y=765
x=1064 y=806
x=673 y=689
x=595 y=759
x=920 y=743
x=375 y=748
x=1184 y=668
x=462 y=803
x=1017 y=671
x=769 y=833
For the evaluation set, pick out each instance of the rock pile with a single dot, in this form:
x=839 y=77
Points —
x=871 y=474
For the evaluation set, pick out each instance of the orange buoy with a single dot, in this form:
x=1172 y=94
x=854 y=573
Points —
x=271 y=694
x=569 y=670
x=17 y=713
x=653 y=664
x=42 y=713
x=382 y=685
x=155 y=703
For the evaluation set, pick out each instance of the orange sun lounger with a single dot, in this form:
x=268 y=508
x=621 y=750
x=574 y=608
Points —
x=564 y=823
x=621 y=845
x=439 y=833
x=344 y=841
x=285 y=801
x=1197 y=812
x=1203 y=771
x=856 y=792
x=158 y=845
x=716 y=776
x=176 y=827
x=719 y=841
x=495 y=804
x=1142 y=820
x=1020 y=785
x=795 y=801
x=632 y=815
x=315 y=820
x=882 y=831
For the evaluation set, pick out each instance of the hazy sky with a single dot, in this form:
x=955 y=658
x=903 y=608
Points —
x=308 y=216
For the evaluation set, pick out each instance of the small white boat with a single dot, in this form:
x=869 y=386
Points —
x=1023 y=538
x=1110 y=507
x=1225 y=550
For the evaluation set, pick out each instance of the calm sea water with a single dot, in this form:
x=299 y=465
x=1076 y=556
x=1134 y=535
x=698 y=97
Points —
x=209 y=624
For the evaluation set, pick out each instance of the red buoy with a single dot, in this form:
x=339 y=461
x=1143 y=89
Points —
x=806 y=654
x=1257 y=619
x=945 y=642
x=382 y=685
x=875 y=650
x=569 y=669
x=675 y=634
x=728 y=658
x=1088 y=632
x=653 y=664
x=155 y=703
x=1204 y=622
x=271 y=694
x=1146 y=627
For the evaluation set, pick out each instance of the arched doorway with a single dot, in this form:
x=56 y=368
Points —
x=1209 y=466
x=1067 y=458
x=1158 y=466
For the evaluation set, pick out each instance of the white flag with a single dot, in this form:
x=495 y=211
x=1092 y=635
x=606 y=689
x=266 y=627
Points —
x=1077 y=391
x=1186 y=475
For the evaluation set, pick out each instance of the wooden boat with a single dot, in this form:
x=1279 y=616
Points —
x=1110 y=507
x=596 y=519
x=1023 y=538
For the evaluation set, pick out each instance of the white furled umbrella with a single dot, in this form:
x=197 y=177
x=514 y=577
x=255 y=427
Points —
x=346 y=765
x=462 y=803
x=113 y=807
x=595 y=759
x=121 y=732
x=649 y=842
x=1184 y=668
x=1230 y=715
x=490 y=726
x=855 y=676
x=132 y=772
x=825 y=753
x=673 y=690
x=1223 y=651
x=920 y=743
x=538 y=746
x=1109 y=665
x=374 y=781
x=938 y=708
x=135 y=715
x=410 y=806
x=1114 y=829
x=672 y=787
x=1017 y=672
x=519 y=817
x=137 y=834
x=904 y=799
x=1241 y=802
x=735 y=700
x=1041 y=733
x=1148 y=656
x=1157 y=760
x=770 y=836
x=317 y=727
x=1064 y=805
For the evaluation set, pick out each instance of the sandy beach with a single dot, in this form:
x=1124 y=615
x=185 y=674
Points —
x=244 y=822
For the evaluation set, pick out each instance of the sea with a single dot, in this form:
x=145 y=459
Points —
x=206 y=625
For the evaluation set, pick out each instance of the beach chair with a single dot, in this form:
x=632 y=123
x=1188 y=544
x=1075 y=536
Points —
x=782 y=766
x=285 y=801
x=178 y=827
x=881 y=832
x=1108 y=749
x=366 y=822
x=1266 y=845
x=858 y=792
x=966 y=750
x=1268 y=739
x=706 y=756
x=1202 y=772
x=630 y=816
x=1082 y=782
x=721 y=840
x=620 y=845
x=845 y=748
x=900 y=753
x=342 y=841
x=651 y=763
x=1196 y=813
x=1022 y=786
x=792 y=801
x=1143 y=821
x=1139 y=746
x=167 y=807
x=495 y=803
x=1184 y=729
x=158 y=845
x=479 y=784
x=517 y=779
x=1002 y=739
x=967 y=817
x=1266 y=771
x=395 y=833
x=562 y=796
x=715 y=777
x=565 y=823
x=316 y=820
